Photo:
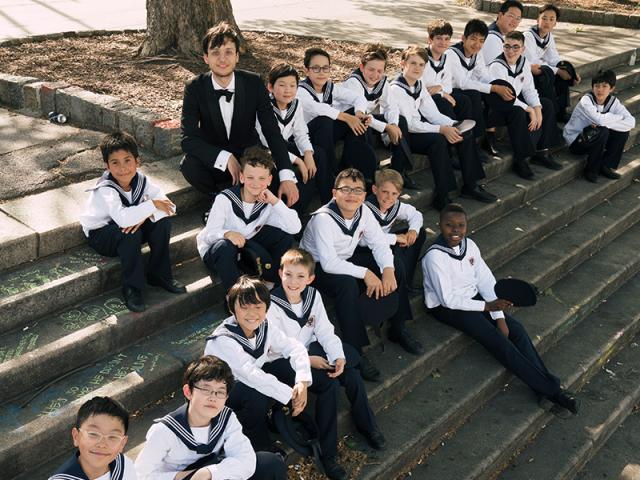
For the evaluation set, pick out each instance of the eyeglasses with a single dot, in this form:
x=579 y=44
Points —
x=220 y=394
x=515 y=48
x=513 y=17
x=96 y=437
x=349 y=190
x=318 y=69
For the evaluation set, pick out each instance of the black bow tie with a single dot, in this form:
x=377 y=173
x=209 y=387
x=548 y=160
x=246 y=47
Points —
x=227 y=94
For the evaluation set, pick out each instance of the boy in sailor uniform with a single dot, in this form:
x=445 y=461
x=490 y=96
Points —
x=369 y=79
x=311 y=162
x=100 y=435
x=430 y=131
x=244 y=341
x=470 y=77
x=387 y=208
x=610 y=123
x=125 y=209
x=248 y=215
x=459 y=291
x=551 y=81
x=297 y=309
x=530 y=120
x=508 y=19
x=342 y=272
x=203 y=439
x=335 y=113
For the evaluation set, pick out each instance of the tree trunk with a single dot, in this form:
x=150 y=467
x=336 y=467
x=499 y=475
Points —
x=179 y=26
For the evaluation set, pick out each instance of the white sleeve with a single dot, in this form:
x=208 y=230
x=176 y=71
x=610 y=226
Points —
x=214 y=229
x=284 y=218
x=154 y=192
x=551 y=57
x=377 y=240
x=602 y=119
x=222 y=159
x=460 y=77
x=412 y=215
x=150 y=463
x=350 y=97
x=447 y=83
x=301 y=131
x=316 y=109
x=429 y=110
x=486 y=282
x=491 y=49
x=239 y=460
x=626 y=122
x=294 y=350
x=388 y=106
x=529 y=91
x=325 y=332
x=530 y=48
x=123 y=216
x=409 y=111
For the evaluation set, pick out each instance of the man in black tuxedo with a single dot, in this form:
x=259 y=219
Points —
x=218 y=120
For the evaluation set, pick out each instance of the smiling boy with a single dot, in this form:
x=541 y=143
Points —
x=508 y=19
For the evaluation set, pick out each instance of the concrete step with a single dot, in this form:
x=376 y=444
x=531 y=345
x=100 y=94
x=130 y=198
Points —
x=504 y=424
x=583 y=61
x=627 y=76
x=562 y=448
x=444 y=400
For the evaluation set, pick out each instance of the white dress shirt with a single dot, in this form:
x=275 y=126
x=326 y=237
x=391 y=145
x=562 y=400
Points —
x=520 y=77
x=381 y=105
x=322 y=104
x=541 y=51
x=468 y=73
x=226 y=110
x=438 y=72
x=398 y=211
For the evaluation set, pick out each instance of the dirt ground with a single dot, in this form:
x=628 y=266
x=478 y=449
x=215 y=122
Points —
x=108 y=64
x=619 y=6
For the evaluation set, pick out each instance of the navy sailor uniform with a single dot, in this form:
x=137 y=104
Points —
x=122 y=468
x=492 y=47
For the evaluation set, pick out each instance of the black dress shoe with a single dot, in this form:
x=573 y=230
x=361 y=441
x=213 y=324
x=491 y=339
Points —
x=408 y=182
x=567 y=400
x=406 y=341
x=133 y=299
x=171 y=285
x=609 y=173
x=488 y=144
x=591 y=176
x=440 y=202
x=523 y=169
x=368 y=371
x=546 y=160
x=333 y=469
x=478 y=193
x=375 y=439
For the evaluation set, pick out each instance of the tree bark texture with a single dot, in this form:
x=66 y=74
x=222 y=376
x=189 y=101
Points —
x=179 y=25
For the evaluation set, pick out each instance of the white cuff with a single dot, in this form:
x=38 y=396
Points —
x=287 y=175
x=222 y=160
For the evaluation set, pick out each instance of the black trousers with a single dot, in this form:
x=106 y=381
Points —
x=110 y=241
x=435 y=146
x=251 y=407
x=400 y=154
x=346 y=290
x=270 y=242
x=269 y=466
x=551 y=86
x=322 y=182
x=517 y=353
x=477 y=109
x=604 y=151
x=409 y=255
x=357 y=153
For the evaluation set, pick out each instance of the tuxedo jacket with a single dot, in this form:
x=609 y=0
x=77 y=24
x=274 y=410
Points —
x=203 y=132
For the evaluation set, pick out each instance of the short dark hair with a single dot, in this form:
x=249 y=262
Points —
x=115 y=141
x=452 y=208
x=476 y=26
x=507 y=4
x=208 y=368
x=309 y=53
x=103 y=406
x=415 y=50
x=248 y=291
x=515 y=35
x=218 y=35
x=606 y=76
x=281 y=70
x=374 y=51
x=547 y=7
x=439 y=27
x=257 y=157
x=352 y=174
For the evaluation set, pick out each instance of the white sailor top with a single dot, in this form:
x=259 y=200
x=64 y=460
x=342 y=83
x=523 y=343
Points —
x=398 y=211
x=417 y=106
x=109 y=202
x=452 y=277
x=611 y=114
x=520 y=77
x=493 y=44
x=541 y=51
x=246 y=356
x=122 y=468
x=377 y=98
x=331 y=239
x=333 y=100
x=230 y=214
x=174 y=446
x=306 y=321
x=438 y=72
x=467 y=73
x=292 y=126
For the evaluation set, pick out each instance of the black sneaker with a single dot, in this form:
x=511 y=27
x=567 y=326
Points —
x=566 y=400
x=333 y=469
x=546 y=160
x=523 y=169
x=375 y=439
x=609 y=173
x=133 y=299
x=368 y=370
x=488 y=144
x=406 y=341
x=478 y=193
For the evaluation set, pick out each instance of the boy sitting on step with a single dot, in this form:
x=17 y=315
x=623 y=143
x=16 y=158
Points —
x=124 y=210
x=459 y=291
x=100 y=435
x=599 y=127
x=203 y=439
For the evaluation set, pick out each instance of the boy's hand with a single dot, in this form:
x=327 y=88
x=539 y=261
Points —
x=310 y=163
x=234 y=169
x=536 y=70
x=389 y=283
x=538 y=111
x=394 y=132
x=339 y=368
x=354 y=123
x=374 y=285
x=502 y=326
x=411 y=237
x=288 y=189
x=401 y=239
x=299 y=398
x=450 y=99
x=202 y=474
x=267 y=196
x=450 y=133
x=505 y=92
x=304 y=172
x=533 y=120
x=497 y=305
x=236 y=238
x=165 y=205
x=433 y=89
x=319 y=363
x=133 y=228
